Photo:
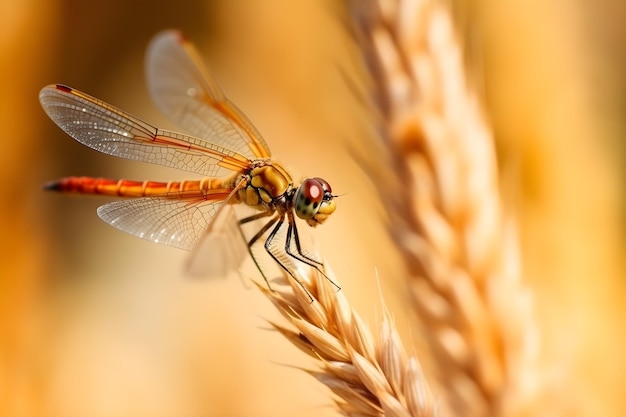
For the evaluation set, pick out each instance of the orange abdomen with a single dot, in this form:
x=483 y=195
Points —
x=208 y=188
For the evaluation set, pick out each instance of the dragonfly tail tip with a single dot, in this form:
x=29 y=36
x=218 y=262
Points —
x=52 y=186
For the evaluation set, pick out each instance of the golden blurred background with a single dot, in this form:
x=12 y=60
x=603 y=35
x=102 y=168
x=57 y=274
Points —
x=95 y=322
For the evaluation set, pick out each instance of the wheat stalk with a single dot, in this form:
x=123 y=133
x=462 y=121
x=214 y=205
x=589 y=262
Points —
x=440 y=187
x=370 y=376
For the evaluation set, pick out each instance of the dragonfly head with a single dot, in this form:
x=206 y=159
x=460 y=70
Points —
x=313 y=201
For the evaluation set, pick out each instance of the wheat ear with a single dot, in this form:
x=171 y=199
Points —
x=370 y=376
x=439 y=182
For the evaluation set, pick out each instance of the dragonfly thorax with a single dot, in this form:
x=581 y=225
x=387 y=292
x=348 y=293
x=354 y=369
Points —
x=267 y=185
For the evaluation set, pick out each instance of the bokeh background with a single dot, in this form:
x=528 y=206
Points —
x=95 y=322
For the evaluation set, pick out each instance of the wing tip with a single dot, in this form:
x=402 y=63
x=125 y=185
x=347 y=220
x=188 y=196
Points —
x=180 y=36
x=176 y=34
x=54 y=87
x=63 y=88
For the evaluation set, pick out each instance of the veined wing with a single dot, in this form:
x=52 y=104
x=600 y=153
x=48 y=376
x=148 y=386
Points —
x=107 y=129
x=185 y=90
x=172 y=222
x=222 y=247
x=209 y=228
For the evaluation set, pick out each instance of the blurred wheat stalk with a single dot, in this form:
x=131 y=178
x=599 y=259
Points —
x=439 y=184
x=444 y=207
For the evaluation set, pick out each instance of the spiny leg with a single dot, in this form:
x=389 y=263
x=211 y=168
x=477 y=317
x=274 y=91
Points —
x=300 y=256
x=294 y=229
x=280 y=219
x=268 y=243
x=256 y=237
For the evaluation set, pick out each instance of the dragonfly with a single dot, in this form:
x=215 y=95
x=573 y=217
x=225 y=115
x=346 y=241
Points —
x=223 y=147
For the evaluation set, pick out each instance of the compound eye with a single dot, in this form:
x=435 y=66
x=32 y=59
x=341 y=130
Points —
x=309 y=197
x=325 y=185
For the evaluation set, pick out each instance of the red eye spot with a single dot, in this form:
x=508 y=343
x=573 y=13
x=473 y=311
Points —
x=313 y=190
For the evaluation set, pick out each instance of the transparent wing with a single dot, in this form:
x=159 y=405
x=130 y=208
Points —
x=185 y=91
x=222 y=247
x=107 y=129
x=178 y=223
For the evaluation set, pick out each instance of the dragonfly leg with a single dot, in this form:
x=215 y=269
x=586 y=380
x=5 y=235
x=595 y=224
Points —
x=256 y=237
x=268 y=244
x=301 y=256
x=256 y=217
x=278 y=220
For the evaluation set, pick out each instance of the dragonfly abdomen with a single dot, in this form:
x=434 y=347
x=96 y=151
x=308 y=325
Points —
x=207 y=188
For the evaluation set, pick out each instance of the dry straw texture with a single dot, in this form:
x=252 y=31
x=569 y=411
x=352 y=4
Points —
x=440 y=186
x=371 y=376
